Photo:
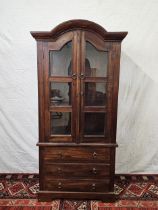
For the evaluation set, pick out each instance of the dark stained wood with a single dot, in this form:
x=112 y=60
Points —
x=49 y=195
x=78 y=166
x=60 y=79
x=40 y=89
x=95 y=138
x=109 y=89
x=48 y=144
x=112 y=168
x=94 y=109
x=79 y=24
x=76 y=154
x=61 y=41
x=74 y=170
x=60 y=109
x=116 y=70
x=82 y=71
x=100 y=45
x=46 y=90
x=40 y=104
x=57 y=45
x=77 y=67
x=97 y=41
x=60 y=138
x=80 y=185
x=95 y=79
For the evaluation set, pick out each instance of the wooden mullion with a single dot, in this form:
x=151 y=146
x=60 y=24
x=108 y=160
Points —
x=60 y=79
x=95 y=138
x=73 y=91
x=60 y=109
x=95 y=109
x=96 y=79
x=75 y=99
x=60 y=138
x=82 y=94
x=46 y=89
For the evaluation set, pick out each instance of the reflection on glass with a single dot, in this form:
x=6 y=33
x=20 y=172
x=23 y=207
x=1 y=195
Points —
x=60 y=93
x=60 y=61
x=61 y=123
x=95 y=94
x=96 y=62
x=94 y=123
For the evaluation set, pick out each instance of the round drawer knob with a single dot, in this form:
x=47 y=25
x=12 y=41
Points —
x=94 y=171
x=59 y=185
x=59 y=170
x=93 y=186
x=60 y=155
x=94 y=155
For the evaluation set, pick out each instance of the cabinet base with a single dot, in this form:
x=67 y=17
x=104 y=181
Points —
x=50 y=195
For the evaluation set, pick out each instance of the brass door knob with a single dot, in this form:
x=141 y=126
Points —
x=74 y=76
x=82 y=76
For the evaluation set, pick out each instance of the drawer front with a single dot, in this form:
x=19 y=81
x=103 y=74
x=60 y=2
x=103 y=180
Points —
x=76 y=170
x=77 y=185
x=76 y=154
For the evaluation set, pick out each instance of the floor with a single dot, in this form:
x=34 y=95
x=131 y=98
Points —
x=132 y=191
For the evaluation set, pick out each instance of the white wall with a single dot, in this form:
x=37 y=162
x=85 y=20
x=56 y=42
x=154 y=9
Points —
x=137 y=134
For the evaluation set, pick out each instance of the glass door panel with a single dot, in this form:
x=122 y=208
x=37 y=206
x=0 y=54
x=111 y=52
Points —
x=95 y=94
x=60 y=61
x=95 y=62
x=60 y=93
x=94 y=123
x=94 y=97
x=60 y=123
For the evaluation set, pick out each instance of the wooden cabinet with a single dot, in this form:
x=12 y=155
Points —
x=78 y=79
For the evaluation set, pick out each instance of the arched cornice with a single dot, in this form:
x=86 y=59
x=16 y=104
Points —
x=78 y=24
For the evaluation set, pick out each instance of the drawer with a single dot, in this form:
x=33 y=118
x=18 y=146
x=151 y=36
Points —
x=76 y=154
x=77 y=185
x=76 y=170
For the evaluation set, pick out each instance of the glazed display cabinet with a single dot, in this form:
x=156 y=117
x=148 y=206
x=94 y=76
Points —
x=78 y=80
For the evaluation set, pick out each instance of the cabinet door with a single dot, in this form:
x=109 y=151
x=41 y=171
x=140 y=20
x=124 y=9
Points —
x=94 y=100
x=60 y=89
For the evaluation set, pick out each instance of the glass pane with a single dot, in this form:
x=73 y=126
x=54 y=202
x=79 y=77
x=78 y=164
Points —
x=94 y=123
x=60 y=61
x=60 y=93
x=60 y=123
x=95 y=94
x=96 y=62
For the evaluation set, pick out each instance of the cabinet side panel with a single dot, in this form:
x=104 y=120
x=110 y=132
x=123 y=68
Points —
x=40 y=105
x=113 y=87
x=112 y=168
x=41 y=171
x=115 y=67
x=40 y=90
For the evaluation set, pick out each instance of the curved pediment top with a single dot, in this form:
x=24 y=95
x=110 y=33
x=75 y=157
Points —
x=78 y=24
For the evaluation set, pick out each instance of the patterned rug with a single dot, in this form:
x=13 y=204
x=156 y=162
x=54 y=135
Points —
x=132 y=191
